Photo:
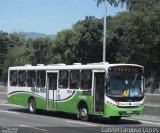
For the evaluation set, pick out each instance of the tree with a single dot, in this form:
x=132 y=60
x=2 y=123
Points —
x=4 y=45
x=89 y=40
x=16 y=56
x=82 y=43
x=132 y=5
x=64 y=47
x=137 y=5
x=17 y=39
x=42 y=51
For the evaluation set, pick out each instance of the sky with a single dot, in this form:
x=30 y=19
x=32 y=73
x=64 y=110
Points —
x=48 y=16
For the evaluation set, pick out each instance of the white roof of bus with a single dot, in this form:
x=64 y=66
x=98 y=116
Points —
x=63 y=66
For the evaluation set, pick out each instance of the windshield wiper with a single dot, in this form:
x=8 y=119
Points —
x=120 y=78
x=134 y=80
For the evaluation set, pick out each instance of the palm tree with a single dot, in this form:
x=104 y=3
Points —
x=116 y=2
x=112 y=2
x=137 y=5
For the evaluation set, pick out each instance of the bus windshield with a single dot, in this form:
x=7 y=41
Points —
x=125 y=85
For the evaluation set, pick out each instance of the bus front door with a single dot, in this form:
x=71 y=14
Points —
x=52 y=90
x=99 y=86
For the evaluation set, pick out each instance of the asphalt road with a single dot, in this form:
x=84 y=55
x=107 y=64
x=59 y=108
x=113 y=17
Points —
x=17 y=119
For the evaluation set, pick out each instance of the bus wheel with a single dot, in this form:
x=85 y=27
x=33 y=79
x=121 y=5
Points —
x=32 y=106
x=83 y=112
x=115 y=119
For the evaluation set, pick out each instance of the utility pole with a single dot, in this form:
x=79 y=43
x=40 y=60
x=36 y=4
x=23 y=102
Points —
x=104 y=32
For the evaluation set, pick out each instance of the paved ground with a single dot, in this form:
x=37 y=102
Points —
x=3 y=93
x=17 y=118
x=149 y=118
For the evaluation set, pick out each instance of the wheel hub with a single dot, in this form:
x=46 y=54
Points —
x=32 y=106
x=84 y=112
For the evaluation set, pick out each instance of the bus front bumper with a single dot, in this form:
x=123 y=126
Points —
x=118 y=111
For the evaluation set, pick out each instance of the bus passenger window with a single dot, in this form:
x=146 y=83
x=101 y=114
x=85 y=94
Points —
x=22 y=78
x=63 y=79
x=31 y=78
x=13 y=78
x=86 y=79
x=52 y=81
x=74 y=79
x=41 y=78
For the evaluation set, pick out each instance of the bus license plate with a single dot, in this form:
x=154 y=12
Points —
x=129 y=112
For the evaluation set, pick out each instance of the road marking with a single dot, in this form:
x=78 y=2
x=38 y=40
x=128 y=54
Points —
x=7 y=104
x=34 y=128
x=82 y=123
x=10 y=112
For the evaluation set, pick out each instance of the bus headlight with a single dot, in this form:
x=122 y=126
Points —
x=117 y=104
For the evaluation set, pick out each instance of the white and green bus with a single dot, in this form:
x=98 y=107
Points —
x=113 y=90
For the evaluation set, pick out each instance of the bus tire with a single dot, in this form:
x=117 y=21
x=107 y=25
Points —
x=32 y=106
x=115 y=119
x=83 y=112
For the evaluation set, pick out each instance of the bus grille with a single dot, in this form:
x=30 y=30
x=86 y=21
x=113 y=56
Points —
x=126 y=113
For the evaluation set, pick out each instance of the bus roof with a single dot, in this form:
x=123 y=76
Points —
x=101 y=65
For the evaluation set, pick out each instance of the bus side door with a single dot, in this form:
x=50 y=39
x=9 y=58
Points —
x=51 y=90
x=99 y=89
